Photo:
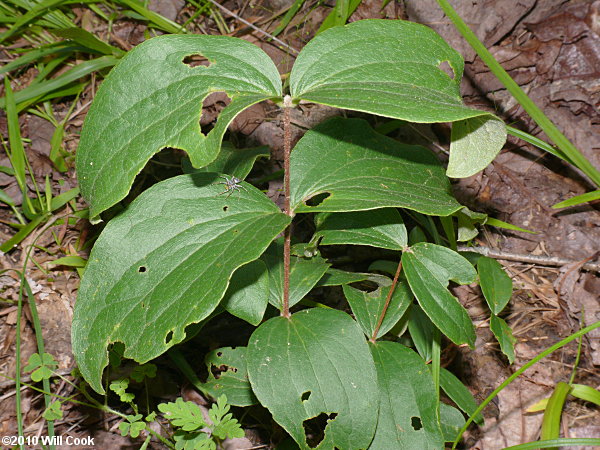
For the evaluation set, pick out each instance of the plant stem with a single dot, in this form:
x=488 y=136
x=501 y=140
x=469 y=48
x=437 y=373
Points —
x=287 y=234
x=570 y=152
x=387 y=303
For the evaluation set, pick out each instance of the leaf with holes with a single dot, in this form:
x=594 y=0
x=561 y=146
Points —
x=361 y=170
x=408 y=417
x=368 y=306
x=391 y=68
x=428 y=268
x=381 y=228
x=305 y=273
x=131 y=120
x=316 y=364
x=495 y=284
x=232 y=376
x=233 y=161
x=165 y=263
x=248 y=293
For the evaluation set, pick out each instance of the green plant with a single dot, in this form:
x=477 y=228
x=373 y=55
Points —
x=181 y=253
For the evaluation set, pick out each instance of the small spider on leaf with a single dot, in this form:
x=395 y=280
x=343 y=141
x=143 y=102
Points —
x=231 y=184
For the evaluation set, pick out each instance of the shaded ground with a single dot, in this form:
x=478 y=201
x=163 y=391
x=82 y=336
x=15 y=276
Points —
x=552 y=49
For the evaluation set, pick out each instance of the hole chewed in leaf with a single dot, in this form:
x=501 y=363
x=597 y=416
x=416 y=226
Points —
x=212 y=105
x=142 y=269
x=225 y=208
x=445 y=67
x=168 y=337
x=196 y=60
x=416 y=423
x=305 y=396
x=316 y=200
x=314 y=428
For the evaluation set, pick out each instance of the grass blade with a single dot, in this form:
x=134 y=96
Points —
x=288 y=16
x=159 y=21
x=38 y=10
x=578 y=200
x=39 y=53
x=89 y=41
x=79 y=71
x=553 y=412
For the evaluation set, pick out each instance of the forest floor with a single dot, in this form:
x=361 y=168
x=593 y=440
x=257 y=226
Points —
x=552 y=49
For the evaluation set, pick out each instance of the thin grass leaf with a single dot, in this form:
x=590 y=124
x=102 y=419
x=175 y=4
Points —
x=289 y=15
x=77 y=72
x=507 y=226
x=330 y=20
x=55 y=147
x=70 y=261
x=16 y=154
x=22 y=233
x=578 y=200
x=88 y=40
x=560 y=442
x=68 y=91
x=37 y=11
x=537 y=142
x=159 y=21
x=40 y=53
x=586 y=393
x=5 y=198
x=61 y=200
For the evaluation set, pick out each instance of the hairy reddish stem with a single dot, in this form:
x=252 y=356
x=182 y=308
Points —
x=287 y=234
x=387 y=302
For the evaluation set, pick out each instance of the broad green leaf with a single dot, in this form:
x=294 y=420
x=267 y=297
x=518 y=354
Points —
x=364 y=170
x=495 y=284
x=305 y=273
x=385 y=266
x=381 y=228
x=233 y=161
x=368 y=306
x=130 y=120
x=451 y=421
x=467 y=220
x=316 y=363
x=475 y=142
x=421 y=332
x=248 y=293
x=428 y=268
x=165 y=263
x=459 y=394
x=504 y=336
x=408 y=416
x=391 y=68
x=233 y=377
x=336 y=277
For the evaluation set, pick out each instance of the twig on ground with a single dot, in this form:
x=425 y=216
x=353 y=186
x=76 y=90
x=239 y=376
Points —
x=553 y=261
